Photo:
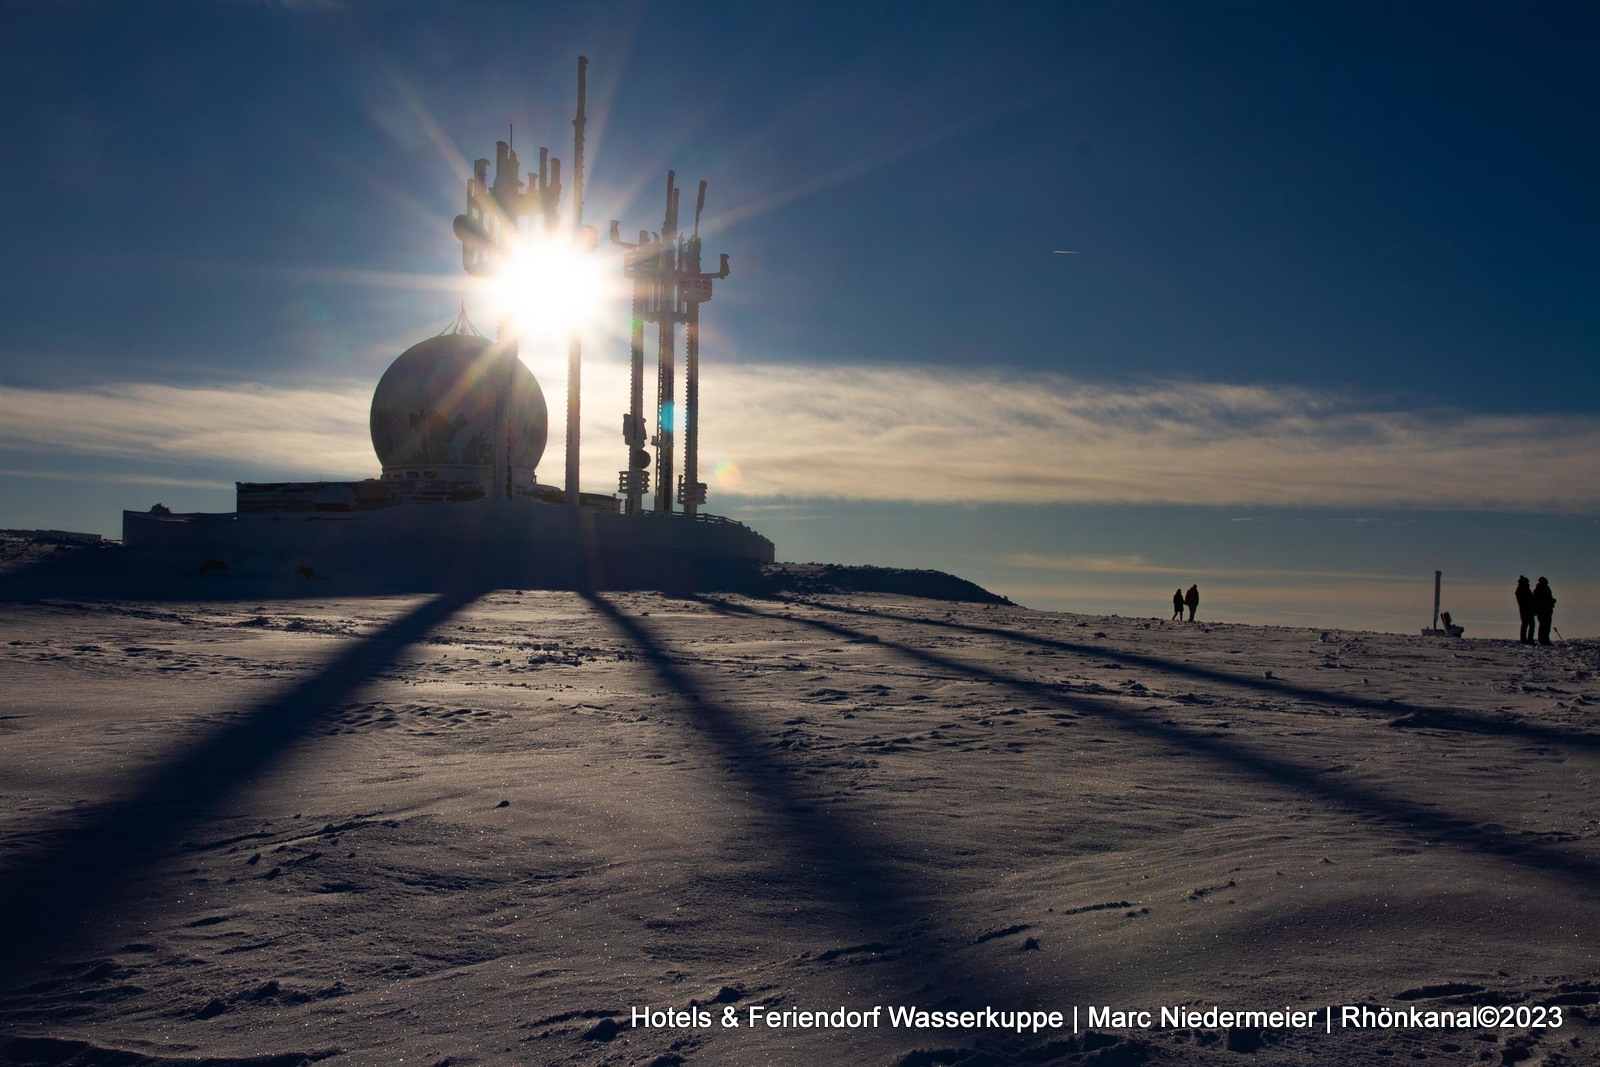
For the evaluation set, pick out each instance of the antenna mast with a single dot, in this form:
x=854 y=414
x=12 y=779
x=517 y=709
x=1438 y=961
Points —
x=574 y=344
x=489 y=229
x=668 y=288
x=695 y=288
x=666 y=347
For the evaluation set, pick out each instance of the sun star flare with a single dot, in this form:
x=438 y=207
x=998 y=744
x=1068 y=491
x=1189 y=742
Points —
x=550 y=288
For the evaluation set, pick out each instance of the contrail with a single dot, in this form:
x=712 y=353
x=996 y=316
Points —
x=1064 y=252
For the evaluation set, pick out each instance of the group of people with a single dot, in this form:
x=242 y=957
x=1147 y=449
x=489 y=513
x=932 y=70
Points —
x=1535 y=605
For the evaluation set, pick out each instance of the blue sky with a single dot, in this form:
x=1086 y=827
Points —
x=1332 y=322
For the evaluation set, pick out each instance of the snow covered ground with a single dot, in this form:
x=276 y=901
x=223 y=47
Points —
x=485 y=830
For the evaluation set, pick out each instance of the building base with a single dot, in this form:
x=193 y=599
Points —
x=499 y=543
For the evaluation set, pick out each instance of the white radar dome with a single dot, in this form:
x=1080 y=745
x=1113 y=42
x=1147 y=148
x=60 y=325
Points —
x=435 y=406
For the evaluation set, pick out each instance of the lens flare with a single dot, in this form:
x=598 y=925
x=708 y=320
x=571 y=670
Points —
x=727 y=475
x=549 y=288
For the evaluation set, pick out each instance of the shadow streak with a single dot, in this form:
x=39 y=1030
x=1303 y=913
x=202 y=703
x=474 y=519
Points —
x=1415 y=716
x=827 y=851
x=75 y=872
x=830 y=857
x=1382 y=807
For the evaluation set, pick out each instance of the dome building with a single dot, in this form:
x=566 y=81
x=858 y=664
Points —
x=433 y=419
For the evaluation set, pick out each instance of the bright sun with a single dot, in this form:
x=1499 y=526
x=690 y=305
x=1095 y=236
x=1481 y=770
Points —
x=550 y=288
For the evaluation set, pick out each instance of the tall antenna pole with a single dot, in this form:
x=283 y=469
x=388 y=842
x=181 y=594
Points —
x=695 y=287
x=578 y=125
x=639 y=263
x=574 y=345
x=666 y=345
x=507 y=196
x=690 y=493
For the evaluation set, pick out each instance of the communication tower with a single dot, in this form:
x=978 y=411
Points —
x=500 y=214
x=668 y=288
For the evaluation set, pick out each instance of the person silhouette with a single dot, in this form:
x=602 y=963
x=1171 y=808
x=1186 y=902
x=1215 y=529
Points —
x=1192 y=599
x=1544 y=608
x=1525 y=610
x=1177 y=604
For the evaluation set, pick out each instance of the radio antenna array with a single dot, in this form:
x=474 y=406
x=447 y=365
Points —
x=574 y=343
x=497 y=215
x=668 y=288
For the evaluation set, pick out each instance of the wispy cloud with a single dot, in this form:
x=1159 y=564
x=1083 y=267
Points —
x=315 y=431
x=929 y=435
x=1136 y=564
x=109 y=478
x=913 y=434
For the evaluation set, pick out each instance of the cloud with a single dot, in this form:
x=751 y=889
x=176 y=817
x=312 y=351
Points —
x=314 y=431
x=915 y=434
x=930 y=435
x=1136 y=564
x=113 y=478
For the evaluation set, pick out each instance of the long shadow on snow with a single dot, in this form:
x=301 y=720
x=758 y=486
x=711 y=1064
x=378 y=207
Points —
x=1285 y=774
x=77 y=871
x=1414 y=716
x=831 y=857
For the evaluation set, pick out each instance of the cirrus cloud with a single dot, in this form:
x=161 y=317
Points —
x=913 y=434
x=920 y=435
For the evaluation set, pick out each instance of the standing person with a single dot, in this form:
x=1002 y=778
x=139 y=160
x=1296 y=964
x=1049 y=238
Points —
x=1192 y=599
x=1525 y=610
x=1177 y=604
x=1544 y=609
